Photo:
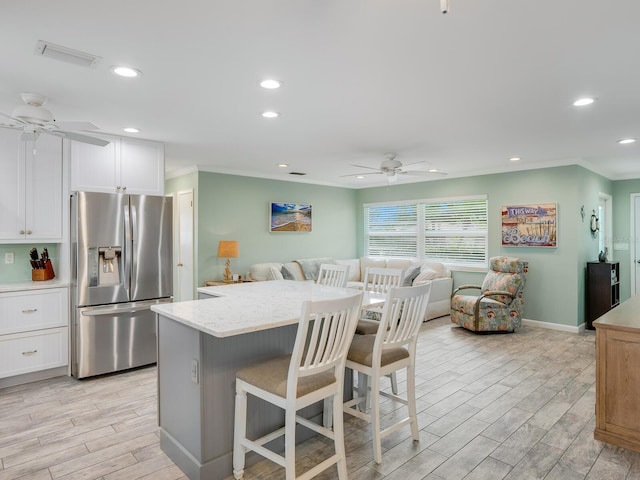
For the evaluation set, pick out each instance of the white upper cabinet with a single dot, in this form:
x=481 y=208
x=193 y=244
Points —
x=30 y=188
x=142 y=166
x=125 y=165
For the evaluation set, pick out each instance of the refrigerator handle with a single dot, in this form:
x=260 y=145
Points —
x=134 y=242
x=128 y=252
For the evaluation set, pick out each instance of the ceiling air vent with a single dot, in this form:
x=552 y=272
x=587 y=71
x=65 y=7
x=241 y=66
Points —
x=65 y=54
x=297 y=173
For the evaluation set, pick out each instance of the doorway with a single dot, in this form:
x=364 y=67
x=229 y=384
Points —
x=184 y=230
x=634 y=248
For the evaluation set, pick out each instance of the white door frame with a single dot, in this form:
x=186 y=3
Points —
x=180 y=260
x=633 y=242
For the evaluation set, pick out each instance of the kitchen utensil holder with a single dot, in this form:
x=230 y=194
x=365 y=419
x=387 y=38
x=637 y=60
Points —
x=45 y=273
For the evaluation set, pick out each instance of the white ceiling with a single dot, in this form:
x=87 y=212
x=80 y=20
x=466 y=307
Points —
x=464 y=91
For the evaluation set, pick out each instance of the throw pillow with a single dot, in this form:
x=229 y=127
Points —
x=409 y=276
x=425 y=276
x=274 y=274
x=286 y=274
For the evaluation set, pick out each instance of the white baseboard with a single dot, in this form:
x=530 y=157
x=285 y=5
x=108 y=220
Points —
x=554 y=326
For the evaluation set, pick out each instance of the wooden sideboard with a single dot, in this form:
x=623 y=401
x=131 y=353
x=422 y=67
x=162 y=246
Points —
x=618 y=375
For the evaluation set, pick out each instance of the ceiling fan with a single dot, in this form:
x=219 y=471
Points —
x=34 y=119
x=392 y=168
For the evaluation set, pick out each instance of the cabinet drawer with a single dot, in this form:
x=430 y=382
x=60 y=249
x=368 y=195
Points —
x=32 y=310
x=33 y=351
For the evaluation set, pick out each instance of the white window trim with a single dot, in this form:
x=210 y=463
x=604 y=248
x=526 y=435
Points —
x=420 y=232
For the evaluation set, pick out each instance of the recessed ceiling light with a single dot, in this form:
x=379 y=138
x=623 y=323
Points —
x=514 y=159
x=283 y=165
x=625 y=141
x=581 y=102
x=270 y=84
x=131 y=130
x=126 y=71
x=270 y=114
x=433 y=170
x=360 y=176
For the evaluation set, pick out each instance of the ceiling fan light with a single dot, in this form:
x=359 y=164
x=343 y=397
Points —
x=393 y=178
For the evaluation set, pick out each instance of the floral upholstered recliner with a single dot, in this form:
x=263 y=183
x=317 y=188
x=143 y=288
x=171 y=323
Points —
x=498 y=308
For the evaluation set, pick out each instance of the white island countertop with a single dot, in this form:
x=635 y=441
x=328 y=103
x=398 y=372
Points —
x=251 y=307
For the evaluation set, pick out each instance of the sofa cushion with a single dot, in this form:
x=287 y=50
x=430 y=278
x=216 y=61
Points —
x=399 y=263
x=286 y=274
x=409 y=275
x=275 y=274
x=425 y=276
x=440 y=268
x=366 y=262
x=354 y=268
x=295 y=270
x=259 y=271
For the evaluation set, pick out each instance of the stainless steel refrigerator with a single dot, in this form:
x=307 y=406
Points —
x=121 y=265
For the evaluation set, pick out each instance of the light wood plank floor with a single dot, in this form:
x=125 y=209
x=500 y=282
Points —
x=492 y=407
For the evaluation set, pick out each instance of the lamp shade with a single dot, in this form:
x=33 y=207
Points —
x=228 y=249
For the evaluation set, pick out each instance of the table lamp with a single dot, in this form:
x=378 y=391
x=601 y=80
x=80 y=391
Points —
x=227 y=249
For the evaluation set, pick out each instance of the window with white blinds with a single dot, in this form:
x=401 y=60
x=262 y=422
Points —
x=453 y=231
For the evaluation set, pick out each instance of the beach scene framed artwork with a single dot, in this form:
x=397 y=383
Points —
x=531 y=225
x=289 y=217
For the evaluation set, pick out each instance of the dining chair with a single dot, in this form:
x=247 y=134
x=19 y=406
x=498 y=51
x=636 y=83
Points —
x=333 y=275
x=393 y=348
x=314 y=371
x=377 y=280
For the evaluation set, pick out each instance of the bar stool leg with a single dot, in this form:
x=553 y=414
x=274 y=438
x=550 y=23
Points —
x=240 y=431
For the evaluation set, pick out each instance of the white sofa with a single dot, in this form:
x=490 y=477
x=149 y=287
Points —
x=430 y=272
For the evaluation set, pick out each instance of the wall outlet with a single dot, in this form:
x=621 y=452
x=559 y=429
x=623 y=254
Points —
x=194 y=371
x=8 y=258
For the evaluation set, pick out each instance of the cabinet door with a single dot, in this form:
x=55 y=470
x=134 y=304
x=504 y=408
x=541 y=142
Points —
x=44 y=189
x=142 y=167
x=12 y=197
x=94 y=168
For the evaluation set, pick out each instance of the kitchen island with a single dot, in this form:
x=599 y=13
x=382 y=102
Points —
x=618 y=375
x=201 y=345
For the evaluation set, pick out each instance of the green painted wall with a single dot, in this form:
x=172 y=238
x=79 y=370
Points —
x=622 y=233
x=555 y=287
x=589 y=187
x=232 y=207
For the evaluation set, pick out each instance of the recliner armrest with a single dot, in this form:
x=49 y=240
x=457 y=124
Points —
x=465 y=287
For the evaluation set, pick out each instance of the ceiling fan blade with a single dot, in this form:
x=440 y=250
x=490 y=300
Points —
x=13 y=122
x=425 y=173
x=75 y=126
x=415 y=163
x=360 y=174
x=78 y=137
x=364 y=166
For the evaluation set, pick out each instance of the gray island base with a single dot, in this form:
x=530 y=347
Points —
x=201 y=345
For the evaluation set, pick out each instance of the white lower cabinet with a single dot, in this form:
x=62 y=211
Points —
x=34 y=332
x=32 y=351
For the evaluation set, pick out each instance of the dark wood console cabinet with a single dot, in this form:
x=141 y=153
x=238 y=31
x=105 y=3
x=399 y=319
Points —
x=603 y=289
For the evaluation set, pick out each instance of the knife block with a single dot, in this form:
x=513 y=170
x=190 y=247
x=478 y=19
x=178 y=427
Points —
x=45 y=273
